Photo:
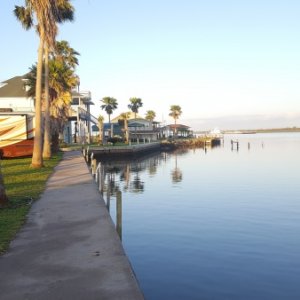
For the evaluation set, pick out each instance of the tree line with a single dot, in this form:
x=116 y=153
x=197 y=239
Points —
x=110 y=104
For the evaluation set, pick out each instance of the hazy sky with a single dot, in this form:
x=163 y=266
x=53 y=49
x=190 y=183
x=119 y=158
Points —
x=216 y=59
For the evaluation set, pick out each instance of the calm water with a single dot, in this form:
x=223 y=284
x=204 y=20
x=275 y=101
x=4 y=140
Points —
x=216 y=224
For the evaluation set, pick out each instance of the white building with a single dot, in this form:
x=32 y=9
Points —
x=140 y=129
x=14 y=99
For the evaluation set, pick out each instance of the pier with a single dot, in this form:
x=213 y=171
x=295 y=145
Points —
x=69 y=247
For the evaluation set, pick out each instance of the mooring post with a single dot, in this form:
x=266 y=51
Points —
x=97 y=173
x=87 y=154
x=108 y=196
x=93 y=165
x=119 y=214
x=102 y=178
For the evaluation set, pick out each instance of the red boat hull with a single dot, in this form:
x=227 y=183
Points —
x=21 y=149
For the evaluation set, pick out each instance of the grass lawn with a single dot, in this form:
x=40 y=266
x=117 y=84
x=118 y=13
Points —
x=23 y=185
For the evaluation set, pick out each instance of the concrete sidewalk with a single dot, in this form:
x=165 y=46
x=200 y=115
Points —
x=69 y=248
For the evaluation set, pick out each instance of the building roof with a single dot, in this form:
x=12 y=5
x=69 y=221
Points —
x=178 y=126
x=85 y=96
x=131 y=116
x=13 y=87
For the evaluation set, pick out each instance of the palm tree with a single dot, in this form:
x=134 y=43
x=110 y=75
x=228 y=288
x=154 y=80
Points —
x=109 y=105
x=65 y=13
x=175 y=114
x=135 y=104
x=150 y=115
x=64 y=52
x=125 y=116
x=62 y=79
x=100 y=125
x=47 y=15
x=46 y=27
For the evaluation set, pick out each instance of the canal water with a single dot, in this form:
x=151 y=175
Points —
x=220 y=223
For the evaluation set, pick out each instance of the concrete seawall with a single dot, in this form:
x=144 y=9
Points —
x=68 y=248
x=123 y=150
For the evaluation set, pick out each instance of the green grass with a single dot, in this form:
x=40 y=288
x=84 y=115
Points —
x=23 y=185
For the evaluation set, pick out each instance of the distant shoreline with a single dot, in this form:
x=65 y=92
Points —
x=272 y=130
x=253 y=131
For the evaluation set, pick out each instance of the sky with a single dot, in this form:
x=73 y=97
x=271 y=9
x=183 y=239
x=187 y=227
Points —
x=228 y=64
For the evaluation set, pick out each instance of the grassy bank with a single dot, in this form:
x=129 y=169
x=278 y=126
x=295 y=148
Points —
x=23 y=186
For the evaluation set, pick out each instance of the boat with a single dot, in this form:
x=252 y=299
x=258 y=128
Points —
x=16 y=134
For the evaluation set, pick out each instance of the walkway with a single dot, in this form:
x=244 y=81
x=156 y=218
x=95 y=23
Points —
x=68 y=248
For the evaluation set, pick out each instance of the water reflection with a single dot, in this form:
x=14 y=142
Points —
x=176 y=173
x=124 y=174
x=117 y=176
x=229 y=232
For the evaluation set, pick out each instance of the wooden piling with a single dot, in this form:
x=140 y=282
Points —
x=119 y=214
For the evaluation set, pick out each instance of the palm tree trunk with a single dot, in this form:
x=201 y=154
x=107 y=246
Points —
x=3 y=197
x=37 y=158
x=47 y=134
x=110 y=126
x=100 y=126
x=175 y=129
x=126 y=131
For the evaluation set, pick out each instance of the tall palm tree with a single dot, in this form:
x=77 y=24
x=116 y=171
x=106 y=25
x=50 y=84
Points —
x=47 y=14
x=135 y=104
x=150 y=115
x=64 y=52
x=63 y=62
x=109 y=105
x=62 y=79
x=65 y=13
x=125 y=117
x=175 y=114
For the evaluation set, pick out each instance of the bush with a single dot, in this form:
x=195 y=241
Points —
x=115 y=139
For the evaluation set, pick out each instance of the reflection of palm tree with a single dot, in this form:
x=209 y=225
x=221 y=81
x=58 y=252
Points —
x=137 y=185
x=153 y=169
x=176 y=173
x=112 y=187
x=152 y=166
x=127 y=176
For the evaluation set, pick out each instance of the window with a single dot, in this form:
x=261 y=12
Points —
x=75 y=101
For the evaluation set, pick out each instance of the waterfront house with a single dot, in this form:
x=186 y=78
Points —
x=182 y=131
x=80 y=121
x=14 y=100
x=14 y=97
x=140 y=129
